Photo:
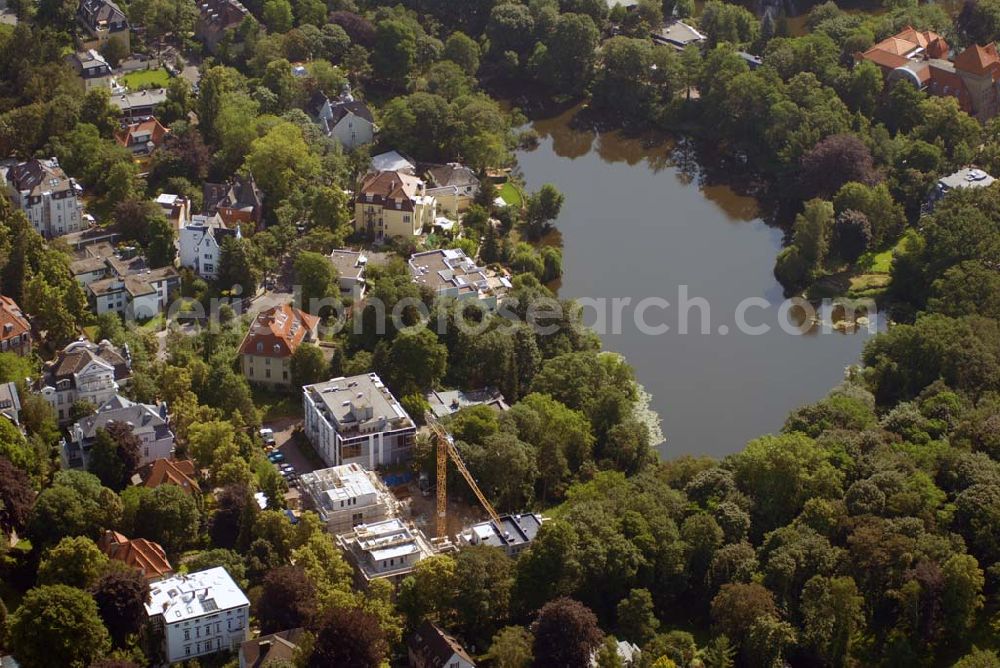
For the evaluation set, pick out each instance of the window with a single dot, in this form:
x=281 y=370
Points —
x=187 y=650
x=187 y=634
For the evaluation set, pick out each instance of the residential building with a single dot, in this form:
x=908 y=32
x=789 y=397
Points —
x=83 y=371
x=177 y=209
x=198 y=613
x=350 y=266
x=10 y=402
x=237 y=201
x=392 y=161
x=51 y=200
x=967 y=177
x=450 y=273
x=145 y=555
x=678 y=34
x=274 y=336
x=431 y=647
x=388 y=549
x=103 y=20
x=200 y=244
x=454 y=186
x=393 y=204
x=15 y=330
x=515 y=533
x=132 y=289
x=347 y=120
x=447 y=402
x=922 y=58
x=274 y=648
x=216 y=18
x=346 y=496
x=91 y=263
x=139 y=105
x=356 y=420
x=90 y=236
x=142 y=138
x=92 y=68
x=149 y=423
x=178 y=472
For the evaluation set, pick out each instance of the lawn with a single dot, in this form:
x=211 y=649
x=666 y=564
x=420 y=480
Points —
x=276 y=405
x=510 y=194
x=146 y=79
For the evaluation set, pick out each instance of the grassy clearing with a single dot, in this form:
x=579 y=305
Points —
x=146 y=79
x=510 y=194
x=276 y=405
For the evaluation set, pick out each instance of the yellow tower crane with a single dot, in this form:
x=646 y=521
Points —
x=446 y=449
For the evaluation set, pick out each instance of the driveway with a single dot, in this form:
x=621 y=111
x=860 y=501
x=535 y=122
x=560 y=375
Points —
x=287 y=445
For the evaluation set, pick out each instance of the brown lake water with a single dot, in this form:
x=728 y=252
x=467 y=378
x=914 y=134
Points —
x=637 y=225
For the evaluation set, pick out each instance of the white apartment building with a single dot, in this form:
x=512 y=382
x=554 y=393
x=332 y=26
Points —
x=356 y=420
x=50 y=199
x=200 y=244
x=387 y=549
x=198 y=613
x=451 y=273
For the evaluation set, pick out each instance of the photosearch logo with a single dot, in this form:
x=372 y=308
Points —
x=681 y=315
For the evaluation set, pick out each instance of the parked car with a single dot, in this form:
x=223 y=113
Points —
x=276 y=456
x=287 y=468
x=267 y=435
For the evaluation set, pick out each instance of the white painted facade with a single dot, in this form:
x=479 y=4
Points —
x=353 y=131
x=198 y=614
x=201 y=246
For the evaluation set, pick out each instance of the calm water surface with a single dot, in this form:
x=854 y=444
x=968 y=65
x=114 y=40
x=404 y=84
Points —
x=636 y=225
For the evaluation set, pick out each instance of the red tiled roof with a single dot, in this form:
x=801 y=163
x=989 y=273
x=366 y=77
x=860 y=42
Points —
x=12 y=321
x=884 y=59
x=139 y=553
x=178 y=472
x=977 y=59
x=278 y=332
x=151 y=127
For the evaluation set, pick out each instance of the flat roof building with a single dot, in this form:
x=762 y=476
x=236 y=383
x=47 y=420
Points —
x=346 y=496
x=516 y=533
x=450 y=273
x=447 y=402
x=357 y=420
x=387 y=549
x=350 y=266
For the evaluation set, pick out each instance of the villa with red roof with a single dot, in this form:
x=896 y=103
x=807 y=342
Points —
x=267 y=349
x=923 y=58
x=140 y=553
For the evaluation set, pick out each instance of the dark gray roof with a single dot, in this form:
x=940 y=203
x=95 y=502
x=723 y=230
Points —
x=359 y=109
x=142 y=417
x=452 y=174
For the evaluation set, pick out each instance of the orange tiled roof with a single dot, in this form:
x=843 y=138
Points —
x=178 y=472
x=139 y=553
x=12 y=321
x=892 y=51
x=152 y=127
x=978 y=59
x=278 y=332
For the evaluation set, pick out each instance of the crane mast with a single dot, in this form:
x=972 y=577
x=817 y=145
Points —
x=446 y=450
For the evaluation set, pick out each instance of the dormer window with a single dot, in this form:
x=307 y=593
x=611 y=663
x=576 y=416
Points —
x=260 y=347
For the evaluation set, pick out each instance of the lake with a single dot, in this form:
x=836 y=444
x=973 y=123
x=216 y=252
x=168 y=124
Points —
x=635 y=225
